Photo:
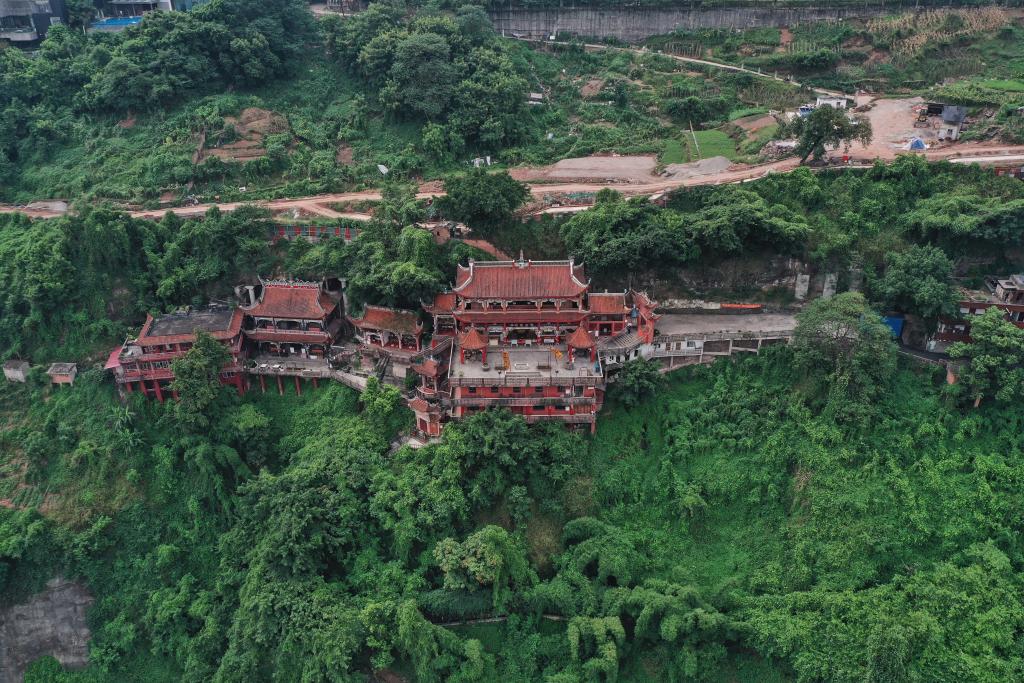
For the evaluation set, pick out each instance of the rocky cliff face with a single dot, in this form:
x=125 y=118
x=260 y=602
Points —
x=50 y=623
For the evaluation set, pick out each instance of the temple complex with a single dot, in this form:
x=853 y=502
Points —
x=524 y=335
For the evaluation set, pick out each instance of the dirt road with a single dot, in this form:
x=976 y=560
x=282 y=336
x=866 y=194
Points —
x=638 y=185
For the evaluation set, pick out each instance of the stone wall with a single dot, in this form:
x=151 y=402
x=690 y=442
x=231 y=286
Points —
x=50 y=623
x=634 y=25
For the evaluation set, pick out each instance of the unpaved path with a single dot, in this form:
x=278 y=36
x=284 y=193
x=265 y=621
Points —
x=963 y=153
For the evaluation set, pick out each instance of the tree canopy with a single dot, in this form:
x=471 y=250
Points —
x=994 y=358
x=826 y=127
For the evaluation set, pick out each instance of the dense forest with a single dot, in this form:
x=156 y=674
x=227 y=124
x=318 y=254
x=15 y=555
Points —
x=830 y=510
x=817 y=513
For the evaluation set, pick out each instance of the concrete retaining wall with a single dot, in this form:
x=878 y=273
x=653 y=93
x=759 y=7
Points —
x=634 y=25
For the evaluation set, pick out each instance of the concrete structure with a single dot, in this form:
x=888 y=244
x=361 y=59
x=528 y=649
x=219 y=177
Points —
x=952 y=122
x=16 y=371
x=144 y=363
x=1005 y=293
x=63 y=373
x=632 y=24
x=834 y=102
x=26 y=22
x=689 y=339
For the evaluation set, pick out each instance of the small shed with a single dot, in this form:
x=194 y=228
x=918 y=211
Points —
x=834 y=102
x=16 y=371
x=63 y=373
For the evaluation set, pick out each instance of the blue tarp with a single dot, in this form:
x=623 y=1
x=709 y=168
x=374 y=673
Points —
x=917 y=143
x=895 y=323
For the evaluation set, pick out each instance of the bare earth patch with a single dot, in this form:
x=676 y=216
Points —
x=345 y=155
x=754 y=123
x=591 y=88
x=612 y=168
x=251 y=126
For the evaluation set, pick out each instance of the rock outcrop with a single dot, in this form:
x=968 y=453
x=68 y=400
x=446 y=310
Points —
x=50 y=623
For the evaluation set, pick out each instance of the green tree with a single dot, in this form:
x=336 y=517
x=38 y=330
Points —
x=919 y=281
x=827 y=127
x=489 y=557
x=482 y=199
x=843 y=347
x=994 y=358
x=197 y=383
x=637 y=380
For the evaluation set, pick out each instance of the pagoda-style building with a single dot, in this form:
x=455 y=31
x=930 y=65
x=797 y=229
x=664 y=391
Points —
x=144 y=363
x=526 y=335
x=290 y=318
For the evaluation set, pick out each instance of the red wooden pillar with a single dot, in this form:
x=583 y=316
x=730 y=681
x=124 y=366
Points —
x=314 y=383
x=298 y=387
x=128 y=386
x=462 y=356
x=280 y=387
x=483 y=351
x=159 y=394
x=263 y=384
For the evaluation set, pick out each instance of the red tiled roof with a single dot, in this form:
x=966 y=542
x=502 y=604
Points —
x=418 y=405
x=443 y=303
x=427 y=367
x=391 y=319
x=520 y=280
x=473 y=340
x=114 y=359
x=606 y=304
x=293 y=300
x=580 y=339
x=230 y=332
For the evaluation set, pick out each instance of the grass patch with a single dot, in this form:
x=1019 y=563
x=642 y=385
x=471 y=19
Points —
x=748 y=111
x=709 y=143
x=674 y=152
x=1009 y=85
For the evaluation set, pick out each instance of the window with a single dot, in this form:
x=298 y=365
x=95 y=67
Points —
x=472 y=390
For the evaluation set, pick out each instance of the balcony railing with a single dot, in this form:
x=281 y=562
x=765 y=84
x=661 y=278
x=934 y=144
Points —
x=585 y=418
x=512 y=380
x=539 y=401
